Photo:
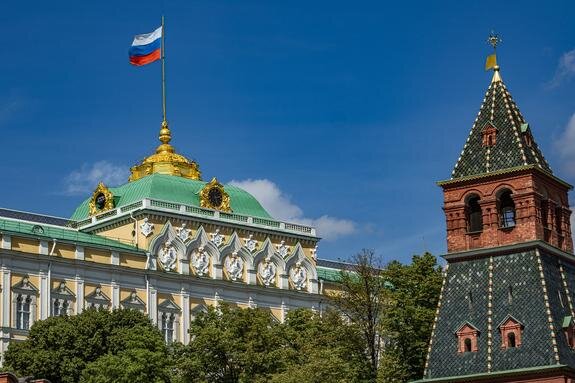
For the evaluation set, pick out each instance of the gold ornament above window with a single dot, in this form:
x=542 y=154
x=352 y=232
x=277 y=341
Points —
x=102 y=200
x=213 y=196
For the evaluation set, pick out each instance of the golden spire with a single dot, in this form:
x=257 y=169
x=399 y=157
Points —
x=491 y=62
x=166 y=161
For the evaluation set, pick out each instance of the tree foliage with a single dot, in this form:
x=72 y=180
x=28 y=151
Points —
x=409 y=318
x=95 y=346
x=394 y=307
x=229 y=344
x=321 y=349
x=247 y=345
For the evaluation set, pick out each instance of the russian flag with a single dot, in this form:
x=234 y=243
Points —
x=146 y=48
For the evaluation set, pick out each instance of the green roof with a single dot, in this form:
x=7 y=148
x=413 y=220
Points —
x=49 y=233
x=513 y=146
x=328 y=274
x=176 y=190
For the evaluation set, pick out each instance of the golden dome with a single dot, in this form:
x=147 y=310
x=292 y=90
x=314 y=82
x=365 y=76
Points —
x=166 y=161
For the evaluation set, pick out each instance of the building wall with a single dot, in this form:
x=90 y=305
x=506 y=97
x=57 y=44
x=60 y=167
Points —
x=87 y=269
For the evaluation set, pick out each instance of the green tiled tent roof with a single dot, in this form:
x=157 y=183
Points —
x=177 y=190
x=510 y=149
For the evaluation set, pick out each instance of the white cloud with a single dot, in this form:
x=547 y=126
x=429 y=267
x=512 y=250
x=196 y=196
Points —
x=565 y=69
x=566 y=147
x=86 y=179
x=280 y=207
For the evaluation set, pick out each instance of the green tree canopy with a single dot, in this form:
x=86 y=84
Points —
x=409 y=317
x=229 y=344
x=95 y=346
x=321 y=349
x=393 y=306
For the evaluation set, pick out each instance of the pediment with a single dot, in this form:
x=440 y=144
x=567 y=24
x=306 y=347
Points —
x=466 y=328
x=169 y=306
x=509 y=321
x=133 y=300
x=98 y=296
x=62 y=291
x=25 y=286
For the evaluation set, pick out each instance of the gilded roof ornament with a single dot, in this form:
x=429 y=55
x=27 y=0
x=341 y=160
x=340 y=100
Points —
x=494 y=40
x=491 y=63
x=102 y=200
x=166 y=161
x=213 y=196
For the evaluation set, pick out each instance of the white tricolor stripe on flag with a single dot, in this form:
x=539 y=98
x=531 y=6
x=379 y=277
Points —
x=147 y=38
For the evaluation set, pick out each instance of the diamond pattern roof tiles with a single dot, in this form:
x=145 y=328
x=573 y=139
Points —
x=514 y=144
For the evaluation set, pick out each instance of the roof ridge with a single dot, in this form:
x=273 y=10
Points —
x=507 y=98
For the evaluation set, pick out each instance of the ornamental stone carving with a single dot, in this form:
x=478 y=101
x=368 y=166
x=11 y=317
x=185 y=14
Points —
x=217 y=238
x=146 y=228
x=183 y=232
x=167 y=256
x=298 y=275
x=234 y=266
x=282 y=249
x=201 y=261
x=267 y=271
x=251 y=244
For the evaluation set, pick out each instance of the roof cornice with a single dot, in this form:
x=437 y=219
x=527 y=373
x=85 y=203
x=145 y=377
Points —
x=508 y=171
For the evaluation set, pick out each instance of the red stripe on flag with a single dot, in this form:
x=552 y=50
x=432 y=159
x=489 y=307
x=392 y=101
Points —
x=143 y=60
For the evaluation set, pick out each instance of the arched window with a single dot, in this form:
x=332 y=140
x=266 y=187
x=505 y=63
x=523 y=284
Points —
x=467 y=345
x=511 y=339
x=474 y=214
x=506 y=209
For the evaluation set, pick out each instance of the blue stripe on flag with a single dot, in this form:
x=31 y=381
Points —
x=142 y=50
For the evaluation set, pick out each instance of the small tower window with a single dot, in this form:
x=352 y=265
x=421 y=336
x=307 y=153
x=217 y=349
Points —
x=467 y=338
x=489 y=134
x=511 y=330
x=506 y=210
x=474 y=214
x=467 y=345
x=511 y=339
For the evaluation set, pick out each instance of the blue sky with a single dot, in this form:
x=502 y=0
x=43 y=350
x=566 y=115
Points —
x=339 y=114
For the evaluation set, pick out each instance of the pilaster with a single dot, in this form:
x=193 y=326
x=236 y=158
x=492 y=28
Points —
x=115 y=295
x=43 y=248
x=153 y=304
x=185 y=322
x=44 y=294
x=79 y=253
x=79 y=294
x=115 y=258
x=6 y=291
x=6 y=242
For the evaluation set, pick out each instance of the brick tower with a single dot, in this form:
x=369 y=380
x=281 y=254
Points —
x=506 y=307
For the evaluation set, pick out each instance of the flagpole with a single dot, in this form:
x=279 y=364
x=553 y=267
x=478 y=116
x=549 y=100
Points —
x=164 y=121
